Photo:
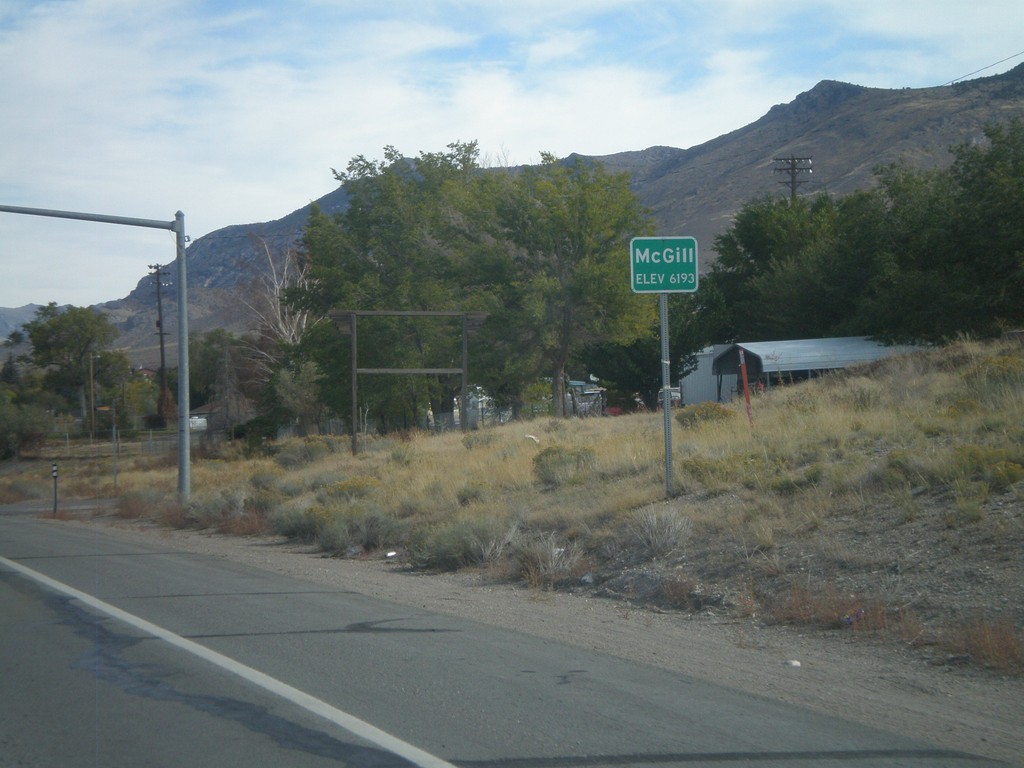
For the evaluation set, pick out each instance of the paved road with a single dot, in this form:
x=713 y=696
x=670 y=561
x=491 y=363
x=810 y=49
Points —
x=121 y=654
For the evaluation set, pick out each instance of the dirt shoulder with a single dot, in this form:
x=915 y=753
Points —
x=884 y=686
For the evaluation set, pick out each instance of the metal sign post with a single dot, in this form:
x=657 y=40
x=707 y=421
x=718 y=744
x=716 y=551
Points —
x=664 y=265
x=666 y=390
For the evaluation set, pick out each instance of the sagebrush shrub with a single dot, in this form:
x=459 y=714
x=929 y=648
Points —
x=300 y=523
x=464 y=541
x=544 y=560
x=690 y=416
x=660 y=530
x=360 y=529
x=558 y=465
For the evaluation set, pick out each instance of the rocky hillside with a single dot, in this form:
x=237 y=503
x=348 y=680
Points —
x=848 y=130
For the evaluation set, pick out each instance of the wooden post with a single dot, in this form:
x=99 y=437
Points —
x=746 y=386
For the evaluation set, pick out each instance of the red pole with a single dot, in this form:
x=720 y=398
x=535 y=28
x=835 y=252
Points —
x=746 y=387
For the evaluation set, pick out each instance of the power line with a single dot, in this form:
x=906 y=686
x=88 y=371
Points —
x=984 y=68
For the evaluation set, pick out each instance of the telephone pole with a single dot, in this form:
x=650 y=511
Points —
x=165 y=403
x=793 y=167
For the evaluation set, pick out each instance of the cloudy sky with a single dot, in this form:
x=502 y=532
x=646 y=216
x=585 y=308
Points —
x=235 y=111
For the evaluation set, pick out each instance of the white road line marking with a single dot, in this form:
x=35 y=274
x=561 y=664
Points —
x=350 y=723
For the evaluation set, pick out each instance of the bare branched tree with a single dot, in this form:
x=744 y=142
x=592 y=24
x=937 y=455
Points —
x=276 y=323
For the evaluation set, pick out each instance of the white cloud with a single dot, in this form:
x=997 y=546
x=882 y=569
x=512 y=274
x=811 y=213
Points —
x=558 y=47
x=113 y=106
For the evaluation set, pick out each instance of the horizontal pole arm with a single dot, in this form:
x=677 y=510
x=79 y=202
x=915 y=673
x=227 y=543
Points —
x=412 y=371
x=344 y=313
x=103 y=219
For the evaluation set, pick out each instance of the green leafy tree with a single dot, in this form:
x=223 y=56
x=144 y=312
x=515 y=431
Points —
x=9 y=374
x=769 y=272
x=570 y=224
x=542 y=252
x=402 y=244
x=910 y=284
x=66 y=343
x=951 y=259
x=23 y=428
x=988 y=254
x=627 y=370
x=223 y=371
x=112 y=372
x=140 y=400
x=923 y=256
x=297 y=392
x=819 y=287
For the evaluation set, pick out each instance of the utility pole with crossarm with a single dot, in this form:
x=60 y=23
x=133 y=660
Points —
x=793 y=167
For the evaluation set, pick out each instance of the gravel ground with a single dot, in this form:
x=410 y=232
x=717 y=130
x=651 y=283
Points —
x=885 y=686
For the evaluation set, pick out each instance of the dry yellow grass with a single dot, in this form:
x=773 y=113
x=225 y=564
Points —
x=815 y=497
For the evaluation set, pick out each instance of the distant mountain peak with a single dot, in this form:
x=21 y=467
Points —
x=848 y=129
x=824 y=97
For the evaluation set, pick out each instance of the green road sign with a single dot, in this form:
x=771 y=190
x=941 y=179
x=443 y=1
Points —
x=663 y=264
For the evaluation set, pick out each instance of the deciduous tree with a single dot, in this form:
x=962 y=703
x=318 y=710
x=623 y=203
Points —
x=401 y=245
x=570 y=224
x=66 y=342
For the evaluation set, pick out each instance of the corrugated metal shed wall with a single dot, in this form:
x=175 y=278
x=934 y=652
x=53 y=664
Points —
x=698 y=385
x=701 y=385
x=802 y=355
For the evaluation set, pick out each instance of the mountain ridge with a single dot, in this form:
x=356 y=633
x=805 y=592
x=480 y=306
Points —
x=849 y=130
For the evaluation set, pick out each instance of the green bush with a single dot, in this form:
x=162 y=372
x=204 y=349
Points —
x=861 y=394
x=1006 y=473
x=714 y=474
x=402 y=455
x=478 y=439
x=471 y=493
x=212 y=510
x=690 y=416
x=462 y=542
x=789 y=483
x=266 y=479
x=296 y=453
x=264 y=501
x=994 y=378
x=902 y=467
x=544 y=561
x=23 y=428
x=999 y=369
x=979 y=460
x=359 y=530
x=356 y=487
x=298 y=523
x=557 y=465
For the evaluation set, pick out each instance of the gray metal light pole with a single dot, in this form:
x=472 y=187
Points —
x=178 y=227
x=184 y=436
